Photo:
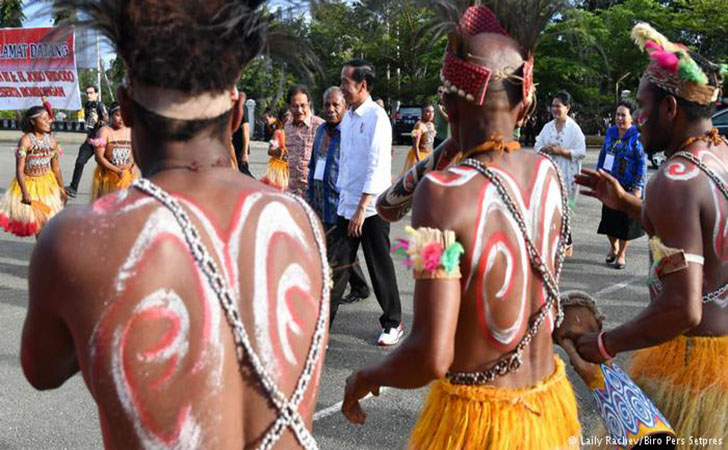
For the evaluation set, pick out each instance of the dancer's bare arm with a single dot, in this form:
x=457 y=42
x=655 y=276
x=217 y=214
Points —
x=47 y=353
x=428 y=351
x=56 y=168
x=679 y=303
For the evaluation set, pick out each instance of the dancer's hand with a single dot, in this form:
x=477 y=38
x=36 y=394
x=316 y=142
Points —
x=588 y=348
x=601 y=186
x=25 y=198
x=357 y=388
x=586 y=370
x=64 y=196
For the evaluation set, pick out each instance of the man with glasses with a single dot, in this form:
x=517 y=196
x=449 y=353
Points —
x=96 y=116
x=300 y=133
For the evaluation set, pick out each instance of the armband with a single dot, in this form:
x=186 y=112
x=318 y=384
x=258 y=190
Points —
x=430 y=253
x=666 y=260
x=99 y=142
x=20 y=152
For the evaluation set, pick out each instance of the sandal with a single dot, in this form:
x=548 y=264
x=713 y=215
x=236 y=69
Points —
x=610 y=259
x=620 y=266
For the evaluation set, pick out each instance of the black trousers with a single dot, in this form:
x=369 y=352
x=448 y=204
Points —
x=85 y=152
x=375 y=243
x=358 y=283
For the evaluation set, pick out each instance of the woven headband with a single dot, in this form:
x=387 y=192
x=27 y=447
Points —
x=470 y=80
x=179 y=105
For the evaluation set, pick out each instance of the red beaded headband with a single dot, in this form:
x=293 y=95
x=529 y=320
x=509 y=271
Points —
x=470 y=80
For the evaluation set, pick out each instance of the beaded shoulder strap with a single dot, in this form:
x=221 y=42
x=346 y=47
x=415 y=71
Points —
x=718 y=293
x=287 y=409
x=513 y=361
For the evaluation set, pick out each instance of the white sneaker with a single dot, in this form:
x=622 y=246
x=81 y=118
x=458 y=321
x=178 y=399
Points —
x=391 y=336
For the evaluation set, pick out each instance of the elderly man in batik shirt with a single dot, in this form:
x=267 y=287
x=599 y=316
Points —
x=300 y=132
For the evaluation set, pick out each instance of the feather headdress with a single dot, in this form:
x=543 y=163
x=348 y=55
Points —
x=674 y=68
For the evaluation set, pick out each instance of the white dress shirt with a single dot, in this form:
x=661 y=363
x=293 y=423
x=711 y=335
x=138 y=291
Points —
x=366 y=157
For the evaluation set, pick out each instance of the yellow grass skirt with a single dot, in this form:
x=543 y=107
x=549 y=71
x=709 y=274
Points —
x=543 y=416
x=26 y=220
x=276 y=174
x=411 y=160
x=106 y=181
x=687 y=380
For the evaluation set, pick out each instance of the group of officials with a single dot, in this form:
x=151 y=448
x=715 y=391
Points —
x=207 y=323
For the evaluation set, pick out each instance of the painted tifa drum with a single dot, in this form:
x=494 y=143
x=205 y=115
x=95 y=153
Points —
x=632 y=421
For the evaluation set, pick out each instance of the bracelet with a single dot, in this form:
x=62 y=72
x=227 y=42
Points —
x=602 y=348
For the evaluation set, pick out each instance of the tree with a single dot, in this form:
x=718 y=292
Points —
x=11 y=13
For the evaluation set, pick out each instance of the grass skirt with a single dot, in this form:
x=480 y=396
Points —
x=543 y=416
x=106 y=181
x=410 y=161
x=276 y=174
x=687 y=380
x=26 y=220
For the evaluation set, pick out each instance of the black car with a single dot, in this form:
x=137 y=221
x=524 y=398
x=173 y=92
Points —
x=720 y=121
x=404 y=121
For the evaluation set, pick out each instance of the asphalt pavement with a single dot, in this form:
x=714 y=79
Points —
x=67 y=417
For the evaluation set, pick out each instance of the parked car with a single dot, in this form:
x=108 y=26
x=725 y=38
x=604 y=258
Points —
x=404 y=121
x=720 y=121
x=656 y=159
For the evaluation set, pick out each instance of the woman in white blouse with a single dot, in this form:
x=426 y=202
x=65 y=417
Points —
x=564 y=141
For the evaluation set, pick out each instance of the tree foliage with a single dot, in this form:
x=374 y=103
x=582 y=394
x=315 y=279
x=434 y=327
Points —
x=586 y=50
x=11 y=13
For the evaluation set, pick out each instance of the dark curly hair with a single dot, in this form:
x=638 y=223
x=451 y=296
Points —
x=26 y=123
x=192 y=46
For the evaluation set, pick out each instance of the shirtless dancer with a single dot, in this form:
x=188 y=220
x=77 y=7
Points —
x=473 y=321
x=138 y=314
x=683 y=333
x=113 y=153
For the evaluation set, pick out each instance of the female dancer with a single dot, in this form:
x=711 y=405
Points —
x=423 y=138
x=116 y=169
x=36 y=193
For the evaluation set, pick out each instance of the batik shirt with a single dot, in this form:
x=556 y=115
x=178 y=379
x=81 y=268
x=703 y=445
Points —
x=299 y=142
x=624 y=158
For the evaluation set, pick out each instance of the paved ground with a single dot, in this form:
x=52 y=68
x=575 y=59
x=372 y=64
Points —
x=66 y=417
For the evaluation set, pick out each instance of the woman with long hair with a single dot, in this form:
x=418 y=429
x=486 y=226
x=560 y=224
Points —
x=36 y=193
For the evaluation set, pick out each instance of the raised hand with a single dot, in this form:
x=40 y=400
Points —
x=601 y=186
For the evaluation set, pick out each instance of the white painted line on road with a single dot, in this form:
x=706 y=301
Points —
x=326 y=412
x=14 y=262
x=612 y=288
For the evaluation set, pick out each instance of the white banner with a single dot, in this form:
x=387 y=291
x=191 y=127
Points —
x=34 y=65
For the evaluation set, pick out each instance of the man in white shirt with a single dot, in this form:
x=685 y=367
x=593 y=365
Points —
x=365 y=172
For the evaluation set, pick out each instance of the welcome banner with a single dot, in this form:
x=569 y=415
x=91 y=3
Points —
x=33 y=64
